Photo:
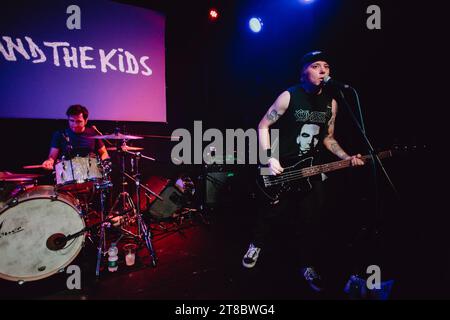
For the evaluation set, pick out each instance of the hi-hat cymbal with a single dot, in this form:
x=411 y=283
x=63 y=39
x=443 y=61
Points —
x=118 y=136
x=18 y=177
x=125 y=148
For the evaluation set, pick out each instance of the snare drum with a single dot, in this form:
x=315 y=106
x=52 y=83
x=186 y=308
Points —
x=27 y=223
x=78 y=174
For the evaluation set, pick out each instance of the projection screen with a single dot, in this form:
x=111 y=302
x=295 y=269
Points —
x=107 y=56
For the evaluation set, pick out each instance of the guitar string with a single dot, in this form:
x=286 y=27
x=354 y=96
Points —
x=320 y=167
x=306 y=172
x=291 y=176
x=302 y=173
x=296 y=174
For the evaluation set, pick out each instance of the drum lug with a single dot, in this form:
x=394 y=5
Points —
x=61 y=270
x=12 y=202
x=21 y=282
x=54 y=197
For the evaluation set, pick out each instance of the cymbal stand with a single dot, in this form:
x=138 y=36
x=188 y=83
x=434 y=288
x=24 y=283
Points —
x=143 y=230
x=101 y=248
x=124 y=197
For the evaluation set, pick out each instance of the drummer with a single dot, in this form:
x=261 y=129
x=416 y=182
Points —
x=75 y=141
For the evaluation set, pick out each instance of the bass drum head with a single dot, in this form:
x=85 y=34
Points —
x=25 y=228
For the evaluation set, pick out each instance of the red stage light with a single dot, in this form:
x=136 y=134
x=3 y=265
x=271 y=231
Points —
x=213 y=14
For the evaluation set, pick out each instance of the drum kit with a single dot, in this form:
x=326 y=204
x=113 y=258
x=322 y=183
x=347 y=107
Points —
x=43 y=227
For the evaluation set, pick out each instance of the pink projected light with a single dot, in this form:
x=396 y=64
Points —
x=114 y=64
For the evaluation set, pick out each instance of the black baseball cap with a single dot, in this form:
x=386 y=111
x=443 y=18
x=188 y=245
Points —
x=314 y=56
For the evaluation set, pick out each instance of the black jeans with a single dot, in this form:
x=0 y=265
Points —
x=302 y=215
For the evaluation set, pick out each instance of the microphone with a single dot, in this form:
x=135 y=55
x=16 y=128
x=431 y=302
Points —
x=69 y=147
x=56 y=241
x=328 y=81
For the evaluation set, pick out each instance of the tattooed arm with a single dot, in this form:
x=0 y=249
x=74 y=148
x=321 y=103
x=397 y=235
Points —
x=330 y=142
x=277 y=109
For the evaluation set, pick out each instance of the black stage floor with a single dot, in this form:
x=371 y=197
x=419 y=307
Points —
x=200 y=258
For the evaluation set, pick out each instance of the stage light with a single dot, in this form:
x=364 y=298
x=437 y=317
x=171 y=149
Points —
x=255 y=24
x=213 y=14
x=306 y=1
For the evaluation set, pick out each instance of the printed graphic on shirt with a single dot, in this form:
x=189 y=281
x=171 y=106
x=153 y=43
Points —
x=308 y=138
x=309 y=135
x=312 y=116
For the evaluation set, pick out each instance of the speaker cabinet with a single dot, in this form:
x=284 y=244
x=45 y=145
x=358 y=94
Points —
x=173 y=201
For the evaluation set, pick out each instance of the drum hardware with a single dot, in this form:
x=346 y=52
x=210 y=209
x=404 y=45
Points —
x=124 y=198
x=125 y=147
x=64 y=167
x=12 y=202
x=189 y=212
x=147 y=191
x=127 y=204
x=103 y=185
x=143 y=231
x=102 y=240
x=58 y=241
x=10 y=190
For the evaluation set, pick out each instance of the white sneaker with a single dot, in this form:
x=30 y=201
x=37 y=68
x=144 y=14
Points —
x=251 y=256
x=313 y=278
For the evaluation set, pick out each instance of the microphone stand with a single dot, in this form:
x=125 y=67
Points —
x=361 y=128
x=65 y=239
x=374 y=164
x=375 y=160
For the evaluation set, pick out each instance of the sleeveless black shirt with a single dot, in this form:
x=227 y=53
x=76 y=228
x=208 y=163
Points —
x=304 y=124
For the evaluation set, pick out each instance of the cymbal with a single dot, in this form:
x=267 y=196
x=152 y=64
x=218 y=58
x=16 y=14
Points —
x=125 y=148
x=18 y=177
x=118 y=136
x=173 y=138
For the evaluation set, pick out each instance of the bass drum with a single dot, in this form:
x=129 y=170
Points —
x=27 y=222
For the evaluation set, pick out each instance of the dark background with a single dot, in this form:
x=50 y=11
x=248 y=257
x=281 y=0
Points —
x=227 y=77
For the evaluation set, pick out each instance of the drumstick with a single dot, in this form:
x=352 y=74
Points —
x=36 y=166
x=96 y=130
